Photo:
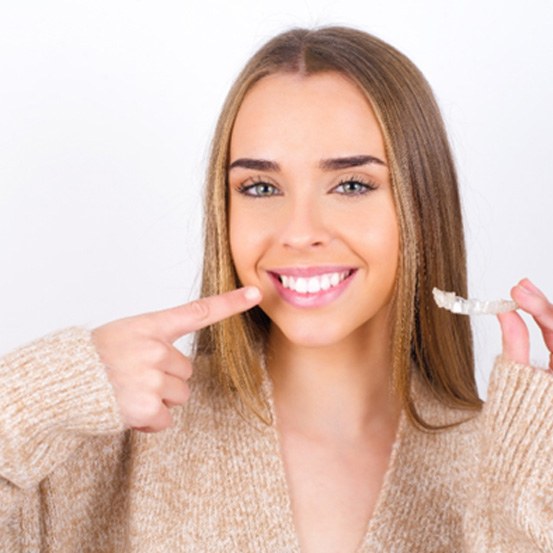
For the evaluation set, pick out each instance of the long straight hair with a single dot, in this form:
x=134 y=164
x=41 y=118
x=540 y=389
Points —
x=425 y=339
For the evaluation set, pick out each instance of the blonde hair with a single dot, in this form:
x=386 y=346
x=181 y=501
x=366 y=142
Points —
x=432 y=251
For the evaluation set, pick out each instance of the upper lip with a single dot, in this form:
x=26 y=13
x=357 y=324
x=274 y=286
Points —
x=311 y=271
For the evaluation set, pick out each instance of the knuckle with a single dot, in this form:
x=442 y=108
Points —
x=199 y=309
x=178 y=393
x=150 y=407
x=162 y=420
x=157 y=353
x=155 y=381
x=166 y=422
x=138 y=410
x=186 y=369
x=184 y=393
x=187 y=393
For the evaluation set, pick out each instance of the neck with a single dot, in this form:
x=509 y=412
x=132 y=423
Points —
x=340 y=391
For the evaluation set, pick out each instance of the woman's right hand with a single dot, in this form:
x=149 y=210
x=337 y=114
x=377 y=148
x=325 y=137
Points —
x=148 y=373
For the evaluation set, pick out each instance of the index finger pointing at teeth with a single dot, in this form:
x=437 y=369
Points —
x=178 y=321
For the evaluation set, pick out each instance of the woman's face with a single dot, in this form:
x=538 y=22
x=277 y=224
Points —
x=312 y=218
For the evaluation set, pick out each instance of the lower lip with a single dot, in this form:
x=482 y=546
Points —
x=318 y=299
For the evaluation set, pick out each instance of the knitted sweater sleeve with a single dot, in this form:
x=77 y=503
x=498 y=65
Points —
x=54 y=392
x=511 y=505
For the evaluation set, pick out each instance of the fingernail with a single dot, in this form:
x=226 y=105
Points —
x=524 y=289
x=252 y=293
x=528 y=287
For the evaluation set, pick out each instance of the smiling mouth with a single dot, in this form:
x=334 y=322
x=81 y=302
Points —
x=313 y=284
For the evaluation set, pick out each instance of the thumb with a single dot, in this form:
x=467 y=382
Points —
x=515 y=337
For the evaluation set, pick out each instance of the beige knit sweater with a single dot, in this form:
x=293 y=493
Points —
x=73 y=479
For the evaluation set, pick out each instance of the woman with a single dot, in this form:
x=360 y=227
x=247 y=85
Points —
x=341 y=412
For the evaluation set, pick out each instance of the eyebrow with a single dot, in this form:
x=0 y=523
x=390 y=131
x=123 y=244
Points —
x=331 y=164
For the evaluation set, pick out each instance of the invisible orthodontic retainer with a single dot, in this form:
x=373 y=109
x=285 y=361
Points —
x=461 y=306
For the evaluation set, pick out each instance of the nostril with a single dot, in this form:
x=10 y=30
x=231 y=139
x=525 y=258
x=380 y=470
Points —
x=305 y=240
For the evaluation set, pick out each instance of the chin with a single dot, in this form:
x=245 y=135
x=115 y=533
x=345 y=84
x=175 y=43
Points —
x=314 y=336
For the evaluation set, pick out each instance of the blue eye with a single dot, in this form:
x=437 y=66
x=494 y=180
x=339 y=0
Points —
x=259 y=189
x=354 y=187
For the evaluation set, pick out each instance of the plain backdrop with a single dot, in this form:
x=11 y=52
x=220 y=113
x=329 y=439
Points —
x=107 y=109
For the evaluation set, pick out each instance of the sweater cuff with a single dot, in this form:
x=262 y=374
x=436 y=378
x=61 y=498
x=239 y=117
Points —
x=59 y=381
x=519 y=423
x=55 y=391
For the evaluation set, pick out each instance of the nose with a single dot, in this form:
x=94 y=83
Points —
x=304 y=226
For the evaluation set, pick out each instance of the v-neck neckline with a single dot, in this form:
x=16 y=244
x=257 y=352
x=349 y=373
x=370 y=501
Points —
x=387 y=482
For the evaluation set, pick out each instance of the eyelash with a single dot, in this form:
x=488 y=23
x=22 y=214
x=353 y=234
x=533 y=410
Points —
x=246 y=189
x=368 y=186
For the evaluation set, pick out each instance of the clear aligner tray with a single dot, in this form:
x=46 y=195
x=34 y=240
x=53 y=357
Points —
x=462 y=306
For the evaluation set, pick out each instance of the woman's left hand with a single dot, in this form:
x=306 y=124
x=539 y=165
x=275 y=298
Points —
x=515 y=336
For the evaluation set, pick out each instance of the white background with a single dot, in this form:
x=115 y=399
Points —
x=107 y=109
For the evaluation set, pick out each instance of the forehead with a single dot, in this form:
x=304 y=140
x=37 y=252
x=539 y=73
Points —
x=321 y=115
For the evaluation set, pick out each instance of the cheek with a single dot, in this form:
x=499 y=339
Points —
x=246 y=242
x=376 y=234
x=388 y=242
x=387 y=246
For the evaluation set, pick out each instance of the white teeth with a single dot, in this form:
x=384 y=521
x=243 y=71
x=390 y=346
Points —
x=314 y=284
x=301 y=285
